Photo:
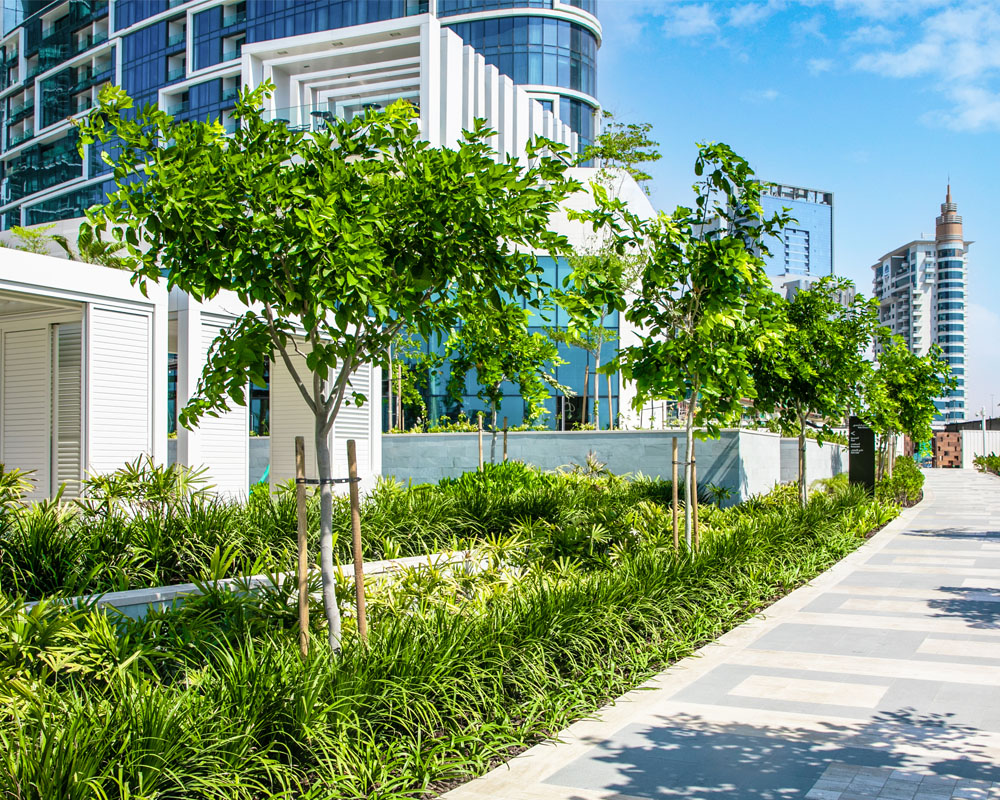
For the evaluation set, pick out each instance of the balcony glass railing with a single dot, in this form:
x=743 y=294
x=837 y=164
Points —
x=232 y=55
x=89 y=41
x=176 y=39
x=230 y=94
x=314 y=117
x=15 y=139
x=179 y=108
x=176 y=74
x=20 y=112
x=234 y=19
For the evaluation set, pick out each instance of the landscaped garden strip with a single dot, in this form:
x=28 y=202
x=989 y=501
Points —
x=211 y=700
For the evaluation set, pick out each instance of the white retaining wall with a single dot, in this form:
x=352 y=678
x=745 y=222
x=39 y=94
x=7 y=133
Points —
x=746 y=462
x=972 y=446
x=822 y=461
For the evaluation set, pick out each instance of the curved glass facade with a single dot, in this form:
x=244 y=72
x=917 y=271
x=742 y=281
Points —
x=543 y=51
x=536 y=50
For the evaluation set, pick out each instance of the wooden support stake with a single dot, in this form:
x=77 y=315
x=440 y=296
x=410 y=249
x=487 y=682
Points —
x=303 y=565
x=694 y=496
x=505 y=438
x=673 y=450
x=480 y=418
x=359 y=569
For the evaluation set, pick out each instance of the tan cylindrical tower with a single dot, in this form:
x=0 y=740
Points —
x=949 y=224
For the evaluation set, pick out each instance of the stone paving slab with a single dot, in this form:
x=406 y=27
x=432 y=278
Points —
x=881 y=679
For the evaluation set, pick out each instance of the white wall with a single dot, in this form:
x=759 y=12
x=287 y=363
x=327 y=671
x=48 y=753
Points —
x=972 y=446
x=219 y=443
x=118 y=356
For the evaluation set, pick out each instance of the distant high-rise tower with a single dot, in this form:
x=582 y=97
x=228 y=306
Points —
x=803 y=250
x=921 y=287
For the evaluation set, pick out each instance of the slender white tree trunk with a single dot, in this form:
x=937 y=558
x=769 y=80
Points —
x=803 y=493
x=689 y=444
x=324 y=462
x=493 y=441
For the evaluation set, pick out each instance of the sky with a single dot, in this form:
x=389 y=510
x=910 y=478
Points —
x=877 y=101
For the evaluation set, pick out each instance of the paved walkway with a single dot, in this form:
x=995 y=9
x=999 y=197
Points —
x=881 y=679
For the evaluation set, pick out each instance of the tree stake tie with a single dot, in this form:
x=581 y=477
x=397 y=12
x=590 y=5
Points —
x=326 y=481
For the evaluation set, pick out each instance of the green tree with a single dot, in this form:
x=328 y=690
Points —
x=623 y=146
x=92 y=249
x=335 y=240
x=33 y=240
x=813 y=375
x=499 y=347
x=701 y=303
x=899 y=394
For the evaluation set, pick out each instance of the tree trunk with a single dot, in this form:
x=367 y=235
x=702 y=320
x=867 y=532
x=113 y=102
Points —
x=611 y=408
x=803 y=493
x=493 y=440
x=586 y=385
x=597 y=389
x=891 y=456
x=324 y=462
x=689 y=446
x=391 y=403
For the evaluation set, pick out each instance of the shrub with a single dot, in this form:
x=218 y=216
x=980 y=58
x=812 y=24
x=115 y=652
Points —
x=905 y=486
x=990 y=463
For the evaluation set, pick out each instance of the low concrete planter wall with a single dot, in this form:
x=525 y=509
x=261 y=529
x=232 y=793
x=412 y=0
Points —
x=745 y=462
x=822 y=460
x=135 y=603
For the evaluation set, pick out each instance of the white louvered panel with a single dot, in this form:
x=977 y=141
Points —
x=26 y=391
x=67 y=425
x=120 y=410
x=289 y=417
x=354 y=422
x=224 y=439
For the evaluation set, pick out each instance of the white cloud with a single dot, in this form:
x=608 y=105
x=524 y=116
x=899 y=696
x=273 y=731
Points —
x=819 y=65
x=809 y=28
x=749 y=14
x=691 y=21
x=761 y=95
x=868 y=35
x=956 y=49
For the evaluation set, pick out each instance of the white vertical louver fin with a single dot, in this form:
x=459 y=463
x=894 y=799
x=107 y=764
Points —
x=120 y=386
x=289 y=417
x=225 y=447
x=25 y=441
x=354 y=422
x=67 y=424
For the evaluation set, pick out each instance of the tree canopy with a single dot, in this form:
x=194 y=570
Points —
x=334 y=239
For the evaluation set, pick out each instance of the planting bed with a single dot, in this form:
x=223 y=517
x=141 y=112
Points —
x=461 y=671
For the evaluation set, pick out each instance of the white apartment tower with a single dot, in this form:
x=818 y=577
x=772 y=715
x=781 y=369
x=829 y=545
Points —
x=921 y=287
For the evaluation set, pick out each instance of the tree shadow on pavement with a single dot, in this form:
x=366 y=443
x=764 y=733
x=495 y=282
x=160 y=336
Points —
x=687 y=756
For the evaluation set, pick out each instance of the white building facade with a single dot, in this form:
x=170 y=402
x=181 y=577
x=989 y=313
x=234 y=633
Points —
x=922 y=291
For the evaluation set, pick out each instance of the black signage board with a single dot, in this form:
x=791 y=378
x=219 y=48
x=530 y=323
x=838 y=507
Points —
x=861 y=449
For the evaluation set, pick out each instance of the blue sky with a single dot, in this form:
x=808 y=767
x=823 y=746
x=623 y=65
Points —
x=878 y=101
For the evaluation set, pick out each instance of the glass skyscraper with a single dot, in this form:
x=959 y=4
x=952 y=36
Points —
x=805 y=246
x=55 y=56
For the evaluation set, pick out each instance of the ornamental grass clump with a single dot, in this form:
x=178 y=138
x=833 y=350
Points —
x=147 y=525
x=461 y=669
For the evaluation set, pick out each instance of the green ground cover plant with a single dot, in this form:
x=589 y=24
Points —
x=149 y=526
x=461 y=670
x=990 y=463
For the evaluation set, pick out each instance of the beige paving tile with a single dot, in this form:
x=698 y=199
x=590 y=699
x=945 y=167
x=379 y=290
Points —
x=956 y=648
x=810 y=691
